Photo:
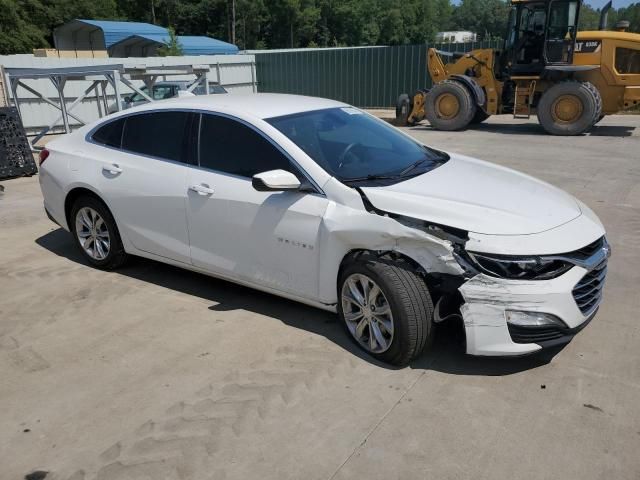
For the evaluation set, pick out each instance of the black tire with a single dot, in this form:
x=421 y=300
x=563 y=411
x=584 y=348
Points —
x=590 y=108
x=404 y=106
x=116 y=255
x=409 y=300
x=598 y=99
x=466 y=106
x=479 y=117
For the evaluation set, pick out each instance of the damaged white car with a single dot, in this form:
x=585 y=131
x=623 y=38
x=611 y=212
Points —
x=319 y=202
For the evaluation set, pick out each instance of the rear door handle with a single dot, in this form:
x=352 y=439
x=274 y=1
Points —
x=202 y=189
x=114 y=169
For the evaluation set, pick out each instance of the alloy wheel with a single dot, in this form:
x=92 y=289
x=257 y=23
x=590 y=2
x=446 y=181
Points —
x=92 y=233
x=367 y=313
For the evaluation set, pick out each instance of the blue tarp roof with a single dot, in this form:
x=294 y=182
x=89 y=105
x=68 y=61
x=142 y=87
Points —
x=205 y=45
x=191 y=45
x=116 y=31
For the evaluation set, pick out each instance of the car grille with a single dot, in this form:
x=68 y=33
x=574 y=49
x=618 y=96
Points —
x=588 y=292
x=589 y=250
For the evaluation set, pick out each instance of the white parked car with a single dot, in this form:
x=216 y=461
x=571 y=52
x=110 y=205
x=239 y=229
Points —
x=319 y=202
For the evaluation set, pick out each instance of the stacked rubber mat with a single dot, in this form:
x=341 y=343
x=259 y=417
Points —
x=16 y=159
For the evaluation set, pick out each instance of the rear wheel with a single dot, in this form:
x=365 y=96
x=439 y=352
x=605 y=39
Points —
x=449 y=106
x=569 y=108
x=386 y=308
x=96 y=233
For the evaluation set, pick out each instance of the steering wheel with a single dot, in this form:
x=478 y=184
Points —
x=346 y=152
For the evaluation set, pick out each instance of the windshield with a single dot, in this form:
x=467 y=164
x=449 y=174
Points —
x=354 y=147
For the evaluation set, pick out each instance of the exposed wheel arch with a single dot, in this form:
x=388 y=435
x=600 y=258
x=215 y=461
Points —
x=73 y=195
x=361 y=254
x=439 y=284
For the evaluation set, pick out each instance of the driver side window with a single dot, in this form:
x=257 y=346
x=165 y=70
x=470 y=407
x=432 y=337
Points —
x=229 y=146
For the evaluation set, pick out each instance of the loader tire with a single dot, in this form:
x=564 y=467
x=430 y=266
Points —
x=479 y=117
x=404 y=106
x=596 y=94
x=450 y=106
x=569 y=108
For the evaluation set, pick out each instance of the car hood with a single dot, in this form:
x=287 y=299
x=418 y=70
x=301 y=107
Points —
x=479 y=197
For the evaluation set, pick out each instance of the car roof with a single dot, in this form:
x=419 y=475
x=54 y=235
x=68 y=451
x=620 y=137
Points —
x=258 y=105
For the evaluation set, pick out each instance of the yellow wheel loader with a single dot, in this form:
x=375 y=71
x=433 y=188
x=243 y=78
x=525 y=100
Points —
x=569 y=79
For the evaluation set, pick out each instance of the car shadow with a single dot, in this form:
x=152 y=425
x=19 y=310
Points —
x=535 y=129
x=447 y=353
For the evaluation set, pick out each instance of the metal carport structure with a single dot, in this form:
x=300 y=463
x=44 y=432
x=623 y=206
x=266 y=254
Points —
x=143 y=45
x=101 y=76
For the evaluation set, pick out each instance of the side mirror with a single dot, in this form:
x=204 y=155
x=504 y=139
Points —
x=275 y=181
x=127 y=99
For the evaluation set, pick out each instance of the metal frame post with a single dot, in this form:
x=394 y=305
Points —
x=105 y=98
x=116 y=87
x=14 y=92
x=98 y=103
x=206 y=82
x=58 y=82
x=218 y=73
x=253 y=76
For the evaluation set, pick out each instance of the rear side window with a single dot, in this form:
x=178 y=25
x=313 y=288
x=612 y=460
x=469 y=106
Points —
x=627 y=60
x=109 y=134
x=158 y=134
x=229 y=146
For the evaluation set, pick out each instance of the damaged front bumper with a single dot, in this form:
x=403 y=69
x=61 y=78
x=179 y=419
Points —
x=487 y=301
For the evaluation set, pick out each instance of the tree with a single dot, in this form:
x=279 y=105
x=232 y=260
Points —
x=487 y=18
x=28 y=24
x=172 y=47
x=16 y=34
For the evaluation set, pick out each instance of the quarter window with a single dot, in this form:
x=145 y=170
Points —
x=109 y=134
x=229 y=146
x=627 y=60
x=159 y=134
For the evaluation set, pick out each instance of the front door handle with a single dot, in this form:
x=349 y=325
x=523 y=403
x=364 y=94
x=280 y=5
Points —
x=202 y=189
x=113 y=169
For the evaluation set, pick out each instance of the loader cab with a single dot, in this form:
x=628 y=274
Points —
x=540 y=34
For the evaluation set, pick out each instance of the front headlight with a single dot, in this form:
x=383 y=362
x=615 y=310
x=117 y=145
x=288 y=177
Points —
x=519 y=268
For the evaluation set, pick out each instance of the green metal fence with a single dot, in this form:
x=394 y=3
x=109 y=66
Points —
x=365 y=76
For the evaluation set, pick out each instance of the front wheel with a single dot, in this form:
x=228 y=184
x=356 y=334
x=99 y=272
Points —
x=386 y=308
x=449 y=105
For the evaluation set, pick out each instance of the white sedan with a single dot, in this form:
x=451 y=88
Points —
x=319 y=202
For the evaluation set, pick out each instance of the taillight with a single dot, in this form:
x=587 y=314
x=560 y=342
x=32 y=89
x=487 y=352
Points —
x=44 y=154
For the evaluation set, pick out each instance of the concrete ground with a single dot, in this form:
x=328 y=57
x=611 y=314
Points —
x=156 y=373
